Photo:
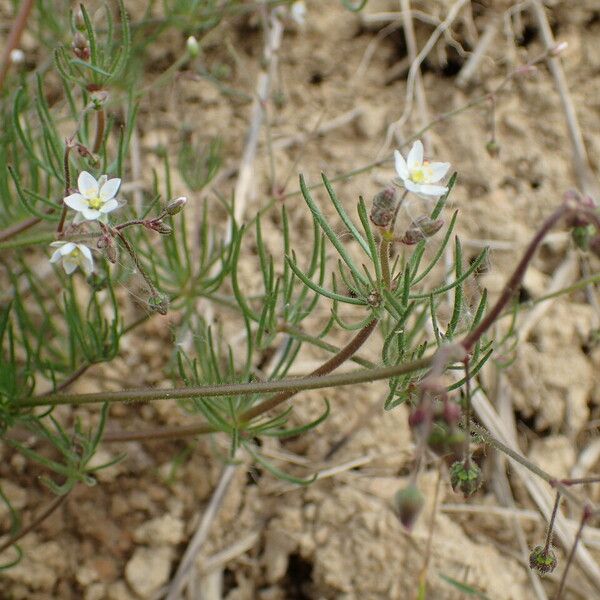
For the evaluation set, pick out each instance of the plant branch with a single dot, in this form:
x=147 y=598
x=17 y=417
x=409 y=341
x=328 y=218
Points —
x=513 y=283
x=14 y=37
x=37 y=521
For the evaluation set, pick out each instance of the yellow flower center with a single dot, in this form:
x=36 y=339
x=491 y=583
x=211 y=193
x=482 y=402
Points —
x=74 y=253
x=417 y=175
x=95 y=203
x=421 y=174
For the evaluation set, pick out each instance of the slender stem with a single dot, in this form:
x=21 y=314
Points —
x=270 y=403
x=327 y=367
x=384 y=259
x=37 y=521
x=427 y=559
x=581 y=480
x=17 y=228
x=550 y=532
x=137 y=262
x=100 y=124
x=232 y=389
x=467 y=447
x=587 y=513
x=513 y=283
x=14 y=37
x=67 y=172
x=489 y=439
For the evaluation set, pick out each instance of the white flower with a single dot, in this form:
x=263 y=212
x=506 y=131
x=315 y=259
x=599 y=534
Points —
x=95 y=199
x=72 y=256
x=298 y=12
x=17 y=56
x=418 y=174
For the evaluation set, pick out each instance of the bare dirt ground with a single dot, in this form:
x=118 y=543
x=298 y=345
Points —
x=338 y=538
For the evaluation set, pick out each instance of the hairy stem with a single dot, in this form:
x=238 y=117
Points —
x=584 y=519
x=270 y=403
x=100 y=124
x=513 y=283
x=550 y=532
x=233 y=389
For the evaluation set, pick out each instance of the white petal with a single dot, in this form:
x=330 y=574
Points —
x=411 y=186
x=56 y=256
x=415 y=156
x=67 y=248
x=109 y=189
x=401 y=167
x=76 y=202
x=91 y=214
x=87 y=184
x=436 y=171
x=109 y=206
x=69 y=266
x=431 y=190
x=57 y=244
x=87 y=253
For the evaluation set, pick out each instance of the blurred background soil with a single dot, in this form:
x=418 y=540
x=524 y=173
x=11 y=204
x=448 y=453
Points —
x=339 y=84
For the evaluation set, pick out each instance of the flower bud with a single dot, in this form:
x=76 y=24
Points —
x=422 y=227
x=408 y=504
x=581 y=236
x=176 y=205
x=78 y=20
x=160 y=227
x=384 y=207
x=543 y=561
x=81 y=47
x=159 y=303
x=493 y=149
x=111 y=253
x=465 y=478
x=192 y=46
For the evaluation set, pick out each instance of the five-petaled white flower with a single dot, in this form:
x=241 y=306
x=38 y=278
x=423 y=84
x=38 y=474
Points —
x=418 y=175
x=72 y=256
x=95 y=199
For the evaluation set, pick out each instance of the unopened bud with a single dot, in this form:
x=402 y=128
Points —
x=159 y=227
x=419 y=418
x=81 y=47
x=465 y=478
x=159 y=303
x=111 y=253
x=542 y=560
x=98 y=99
x=78 y=20
x=421 y=228
x=176 y=206
x=493 y=149
x=581 y=236
x=559 y=48
x=384 y=207
x=192 y=46
x=408 y=504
